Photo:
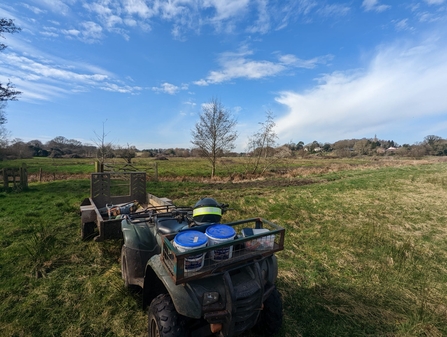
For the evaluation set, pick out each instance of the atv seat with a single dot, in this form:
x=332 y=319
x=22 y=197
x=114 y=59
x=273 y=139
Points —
x=169 y=226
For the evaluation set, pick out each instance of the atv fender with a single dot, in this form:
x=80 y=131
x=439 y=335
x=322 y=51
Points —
x=138 y=236
x=186 y=303
x=138 y=247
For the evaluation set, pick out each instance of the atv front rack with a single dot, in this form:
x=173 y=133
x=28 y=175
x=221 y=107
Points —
x=255 y=238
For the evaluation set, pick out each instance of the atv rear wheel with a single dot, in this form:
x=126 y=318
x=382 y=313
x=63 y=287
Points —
x=270 y=319
x=164 y=321
x=124 y=274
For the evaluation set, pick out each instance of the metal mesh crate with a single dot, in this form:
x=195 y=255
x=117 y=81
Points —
x=255 y=238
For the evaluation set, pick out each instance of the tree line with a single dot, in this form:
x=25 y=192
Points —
x=61 y=147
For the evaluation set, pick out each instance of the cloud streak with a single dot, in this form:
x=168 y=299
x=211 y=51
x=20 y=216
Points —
x=167 y=88
x=230 y=16
x=43 y=78
x=235 y=65
x=374 y=5
x=402 y=84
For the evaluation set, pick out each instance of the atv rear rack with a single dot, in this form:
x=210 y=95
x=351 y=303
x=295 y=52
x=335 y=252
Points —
x=248 y=248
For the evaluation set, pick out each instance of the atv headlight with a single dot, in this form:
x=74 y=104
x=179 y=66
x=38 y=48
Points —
x=210 y=297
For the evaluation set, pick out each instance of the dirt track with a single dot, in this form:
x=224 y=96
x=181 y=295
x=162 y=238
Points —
x=262 y=183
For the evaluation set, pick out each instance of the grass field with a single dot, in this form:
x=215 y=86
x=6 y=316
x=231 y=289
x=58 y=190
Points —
x=365 y=253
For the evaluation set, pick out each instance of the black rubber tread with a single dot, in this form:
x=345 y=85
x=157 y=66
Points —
x=270 y=319
x=133 y=288
x=88 y=230
x=124 y=268
x=164 y=318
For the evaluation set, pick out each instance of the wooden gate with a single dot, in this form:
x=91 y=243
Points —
x=15 y=176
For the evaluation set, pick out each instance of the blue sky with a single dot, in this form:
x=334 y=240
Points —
x=327 y=70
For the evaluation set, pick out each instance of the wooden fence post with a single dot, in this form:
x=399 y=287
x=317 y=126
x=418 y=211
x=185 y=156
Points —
x=24 y=176
x=5 y=178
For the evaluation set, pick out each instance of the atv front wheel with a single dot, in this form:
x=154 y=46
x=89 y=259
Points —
x=270 y=319
x=164 y=321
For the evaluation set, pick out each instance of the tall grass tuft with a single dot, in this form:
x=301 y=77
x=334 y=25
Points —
x=40 y=248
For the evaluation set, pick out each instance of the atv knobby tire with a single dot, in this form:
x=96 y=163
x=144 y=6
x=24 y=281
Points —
x=270 y=319
x=164 y=321
x=124 y=274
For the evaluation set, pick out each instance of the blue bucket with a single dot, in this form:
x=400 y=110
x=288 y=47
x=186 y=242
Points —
x=219 y=234
x=190 y=240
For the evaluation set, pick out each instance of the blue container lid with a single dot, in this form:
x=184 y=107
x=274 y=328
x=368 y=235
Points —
x=190 y=239
x=220 y=231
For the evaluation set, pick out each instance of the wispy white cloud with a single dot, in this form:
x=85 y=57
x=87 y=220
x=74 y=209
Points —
x=402 y=84
x=88 y=31
x=334 y=10
x=107 y=15
x=91 y=31
x=239 y=65
x=124 y=89
x=230 y=16
x=34 y=9
x=71 y=32
x=32 y=67
x=61 y=7
x=44 y=77
x=262 y=24
x=167 y=88
x=303 y=7
x=50 y=31
x=227 y=9
x=190 y=103
x=373 y=5
x=434 y=2
x=402 y=25
x=139 y=8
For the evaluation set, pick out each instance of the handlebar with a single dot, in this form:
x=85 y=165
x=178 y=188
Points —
x=180 y=213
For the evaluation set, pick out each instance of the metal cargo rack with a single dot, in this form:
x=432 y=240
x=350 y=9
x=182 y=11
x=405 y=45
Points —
x=245 y=249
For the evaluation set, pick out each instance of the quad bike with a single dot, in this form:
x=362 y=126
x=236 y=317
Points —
x=222 y=286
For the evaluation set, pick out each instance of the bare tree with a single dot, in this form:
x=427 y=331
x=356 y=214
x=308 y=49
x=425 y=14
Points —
x=7 y=26
x=104 y=148
x=3 y=141
x=2 y=114
x=362 y=146
x=7 y=92
x=261 y=146
x=19 y=150
x=127 y=153
x=214 y=134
